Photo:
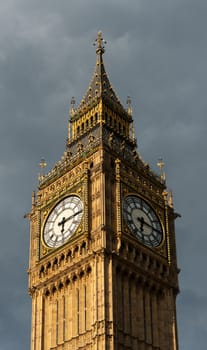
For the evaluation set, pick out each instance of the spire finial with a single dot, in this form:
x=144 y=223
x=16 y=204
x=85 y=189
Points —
x=99 y=43
x=42 y=166
x=129 y=105
x=170 y=200
x=161 y=164
x=72 y=103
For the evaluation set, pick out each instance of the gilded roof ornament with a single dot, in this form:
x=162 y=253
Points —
x=42 y=166
x=72 y=103
x=161 y=164
x=170 y=200
x=99 y=43
x=129 y=105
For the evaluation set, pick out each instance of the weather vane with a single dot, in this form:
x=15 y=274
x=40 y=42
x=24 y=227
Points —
x=99 y=43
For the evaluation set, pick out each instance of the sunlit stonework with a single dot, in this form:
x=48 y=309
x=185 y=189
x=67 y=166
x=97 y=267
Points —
x=103 y=273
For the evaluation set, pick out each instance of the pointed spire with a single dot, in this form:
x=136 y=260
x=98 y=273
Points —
x=100 y=86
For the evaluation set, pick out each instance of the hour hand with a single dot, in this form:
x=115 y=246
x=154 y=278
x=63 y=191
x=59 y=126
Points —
x=62 y=223
x=142 y=222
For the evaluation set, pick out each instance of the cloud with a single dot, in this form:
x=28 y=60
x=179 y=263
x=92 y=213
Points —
x=156 y=53
x=194 y=319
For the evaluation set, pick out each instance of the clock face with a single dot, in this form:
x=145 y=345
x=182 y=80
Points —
x=142 y=221
x=63 y=221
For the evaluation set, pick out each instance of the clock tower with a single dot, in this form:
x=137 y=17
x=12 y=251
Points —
x=103 y=273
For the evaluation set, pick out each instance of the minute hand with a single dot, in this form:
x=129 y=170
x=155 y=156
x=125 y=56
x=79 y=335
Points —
x=70 y=217
x=148 y=225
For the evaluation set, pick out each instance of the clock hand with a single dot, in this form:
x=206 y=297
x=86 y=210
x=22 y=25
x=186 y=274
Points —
x=62 y=223
x=142 y=223
x=64 y=220
x=72 y=216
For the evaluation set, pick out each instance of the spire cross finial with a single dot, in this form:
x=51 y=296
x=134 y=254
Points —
x=129 y=105
x=99 y=43
x=42 y=166
x=72 y=102
x=161 y=164
x=170 y=200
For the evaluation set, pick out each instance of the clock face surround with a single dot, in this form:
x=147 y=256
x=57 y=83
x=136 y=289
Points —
x=63 y=221
x=142 y=221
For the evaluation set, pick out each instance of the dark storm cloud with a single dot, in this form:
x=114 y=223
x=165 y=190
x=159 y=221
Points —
x=156 y=52
x=194 y=321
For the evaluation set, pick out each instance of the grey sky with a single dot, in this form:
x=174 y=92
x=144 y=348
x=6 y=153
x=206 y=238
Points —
x=156 y=52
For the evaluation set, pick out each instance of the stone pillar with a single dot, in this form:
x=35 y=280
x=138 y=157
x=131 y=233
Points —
x=39 y=321
x=46 y=337
x=134 y=314
x=69 y=313
x=148 y=322
x=140 y=314
x=155 y=333
x=34 y=322
x=161 y=323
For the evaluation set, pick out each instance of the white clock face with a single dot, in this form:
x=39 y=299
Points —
x=63 y=221
x=142 y=221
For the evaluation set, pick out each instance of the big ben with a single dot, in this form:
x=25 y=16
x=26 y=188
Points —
x=103 y=273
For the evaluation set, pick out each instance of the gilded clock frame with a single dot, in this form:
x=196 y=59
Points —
x=47 y=209
x=126 y=229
